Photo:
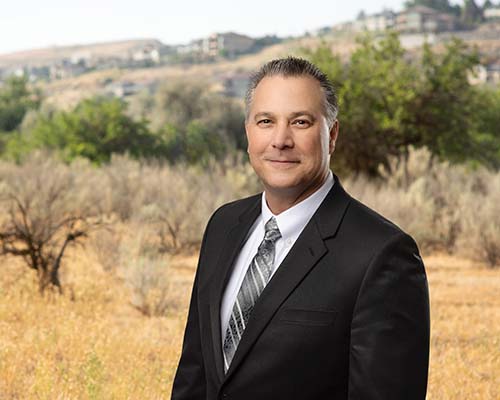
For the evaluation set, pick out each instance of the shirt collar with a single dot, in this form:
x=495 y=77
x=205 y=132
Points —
x=292 y=221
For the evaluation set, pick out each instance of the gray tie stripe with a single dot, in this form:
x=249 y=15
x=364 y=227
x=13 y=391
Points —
x=256 y=278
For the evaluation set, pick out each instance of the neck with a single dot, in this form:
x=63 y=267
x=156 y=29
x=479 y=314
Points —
x=279 y=200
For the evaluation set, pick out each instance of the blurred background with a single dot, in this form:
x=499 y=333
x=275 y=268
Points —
x=121 y=131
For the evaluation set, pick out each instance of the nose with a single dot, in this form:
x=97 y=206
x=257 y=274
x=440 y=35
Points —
x=282 y=136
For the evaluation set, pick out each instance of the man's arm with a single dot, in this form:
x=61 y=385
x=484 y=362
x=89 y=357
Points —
x=189 y=382
x=389 y=351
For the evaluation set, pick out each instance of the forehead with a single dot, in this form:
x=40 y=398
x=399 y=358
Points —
x=288 y=94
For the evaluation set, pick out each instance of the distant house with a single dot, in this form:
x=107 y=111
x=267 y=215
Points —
x=146 y=54
x=67 y=69
x=124 y=88
x=422 y=19
x=38 y=73
x=343 y=27
x=492 y=13
x=227 y=44
x=486 y=74
x=194 y=46
x=81 y=57
x=493 y=73
x=377 y=22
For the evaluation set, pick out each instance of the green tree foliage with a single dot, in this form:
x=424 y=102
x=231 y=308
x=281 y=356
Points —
x=444 y=109
x=487 y=127
x=375 y=90
x=196 y=123
x=16 y=98
x=389 y=102
x=96 y=128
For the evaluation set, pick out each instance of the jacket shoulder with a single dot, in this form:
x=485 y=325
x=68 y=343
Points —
x=228 y=214
x=368 y=228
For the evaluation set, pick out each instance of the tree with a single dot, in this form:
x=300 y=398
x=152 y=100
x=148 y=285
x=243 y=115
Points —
x=95 y=129
x=16 y=98
x=196 y=123
x=444 y=111
x=485 y=130
x=389 y=102
x=374 y=111
x=43 y=214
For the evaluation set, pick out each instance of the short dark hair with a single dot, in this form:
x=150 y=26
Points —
x=294 y=66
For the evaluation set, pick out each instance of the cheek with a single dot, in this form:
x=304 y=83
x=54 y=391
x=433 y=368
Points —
x=314 y=149
x=256 y=144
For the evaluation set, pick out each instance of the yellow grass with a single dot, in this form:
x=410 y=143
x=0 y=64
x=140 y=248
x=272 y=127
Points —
x=92 y=344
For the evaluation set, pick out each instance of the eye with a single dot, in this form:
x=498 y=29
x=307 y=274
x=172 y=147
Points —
x=302 y=123
x=265 y=121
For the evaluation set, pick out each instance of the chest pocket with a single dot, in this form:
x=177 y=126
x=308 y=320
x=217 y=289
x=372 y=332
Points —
x=309 y=317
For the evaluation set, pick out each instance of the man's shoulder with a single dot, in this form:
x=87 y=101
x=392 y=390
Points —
x=353 y=216
x=364 y=232
x=231 y=212
x=367 y=225
x=368 y=217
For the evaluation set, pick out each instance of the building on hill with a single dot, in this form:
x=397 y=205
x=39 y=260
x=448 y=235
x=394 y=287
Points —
x=67 y=69
x=420 y=19
x=492 y=13
x=124 y=89
x=227 y=44
x=377 y=22
x=486 y=74
x=343 y=27
x=146 y=54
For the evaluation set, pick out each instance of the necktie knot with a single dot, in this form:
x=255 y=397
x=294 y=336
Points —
x=272 y=232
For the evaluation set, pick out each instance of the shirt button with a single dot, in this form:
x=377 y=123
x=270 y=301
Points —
x=289 y=242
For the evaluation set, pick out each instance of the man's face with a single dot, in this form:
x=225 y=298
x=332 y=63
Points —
x=289 y=141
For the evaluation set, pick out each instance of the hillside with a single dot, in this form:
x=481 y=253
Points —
x=44 y=56
x=67 y=92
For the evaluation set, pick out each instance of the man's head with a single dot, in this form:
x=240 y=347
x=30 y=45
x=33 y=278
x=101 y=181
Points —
x=291 y=127
x=294 y=67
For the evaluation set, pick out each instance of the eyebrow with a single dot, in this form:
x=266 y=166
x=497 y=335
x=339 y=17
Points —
x=291 y=116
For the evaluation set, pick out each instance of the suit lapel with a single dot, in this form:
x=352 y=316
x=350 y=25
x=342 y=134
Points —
x=229 y=250
x=303 y=256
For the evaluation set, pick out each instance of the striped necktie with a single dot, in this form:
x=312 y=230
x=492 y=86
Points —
x=256 y=278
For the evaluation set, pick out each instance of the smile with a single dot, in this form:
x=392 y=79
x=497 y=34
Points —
x=283 y=163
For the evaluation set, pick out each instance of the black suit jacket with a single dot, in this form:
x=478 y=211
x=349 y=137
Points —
x=345 y=316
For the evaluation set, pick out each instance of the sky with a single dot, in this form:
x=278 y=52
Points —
x=30 y=24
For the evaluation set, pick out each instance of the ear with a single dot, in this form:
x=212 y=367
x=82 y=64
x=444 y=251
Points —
x=334 y=133
x=246 y=132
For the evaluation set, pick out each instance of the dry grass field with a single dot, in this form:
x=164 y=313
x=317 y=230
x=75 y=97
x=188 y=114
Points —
x=91 y=343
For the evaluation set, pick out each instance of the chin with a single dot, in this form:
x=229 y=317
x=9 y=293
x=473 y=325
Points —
x=280 y=183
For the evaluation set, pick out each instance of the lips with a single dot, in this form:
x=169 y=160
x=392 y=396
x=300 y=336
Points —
x=284 y=161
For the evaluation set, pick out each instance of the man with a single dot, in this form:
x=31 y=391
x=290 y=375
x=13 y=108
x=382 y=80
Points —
x=302 y=292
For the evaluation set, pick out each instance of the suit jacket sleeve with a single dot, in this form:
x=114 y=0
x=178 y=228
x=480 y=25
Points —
x=389 y=352
x=189 y=382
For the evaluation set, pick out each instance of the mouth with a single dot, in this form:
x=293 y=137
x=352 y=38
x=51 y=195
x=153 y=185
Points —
x=282 y=163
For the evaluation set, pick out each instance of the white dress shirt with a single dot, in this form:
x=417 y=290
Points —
x=290 y=222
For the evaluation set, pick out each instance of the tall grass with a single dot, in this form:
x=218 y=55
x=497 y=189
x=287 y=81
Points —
x=116 y=331
x=445 y=207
